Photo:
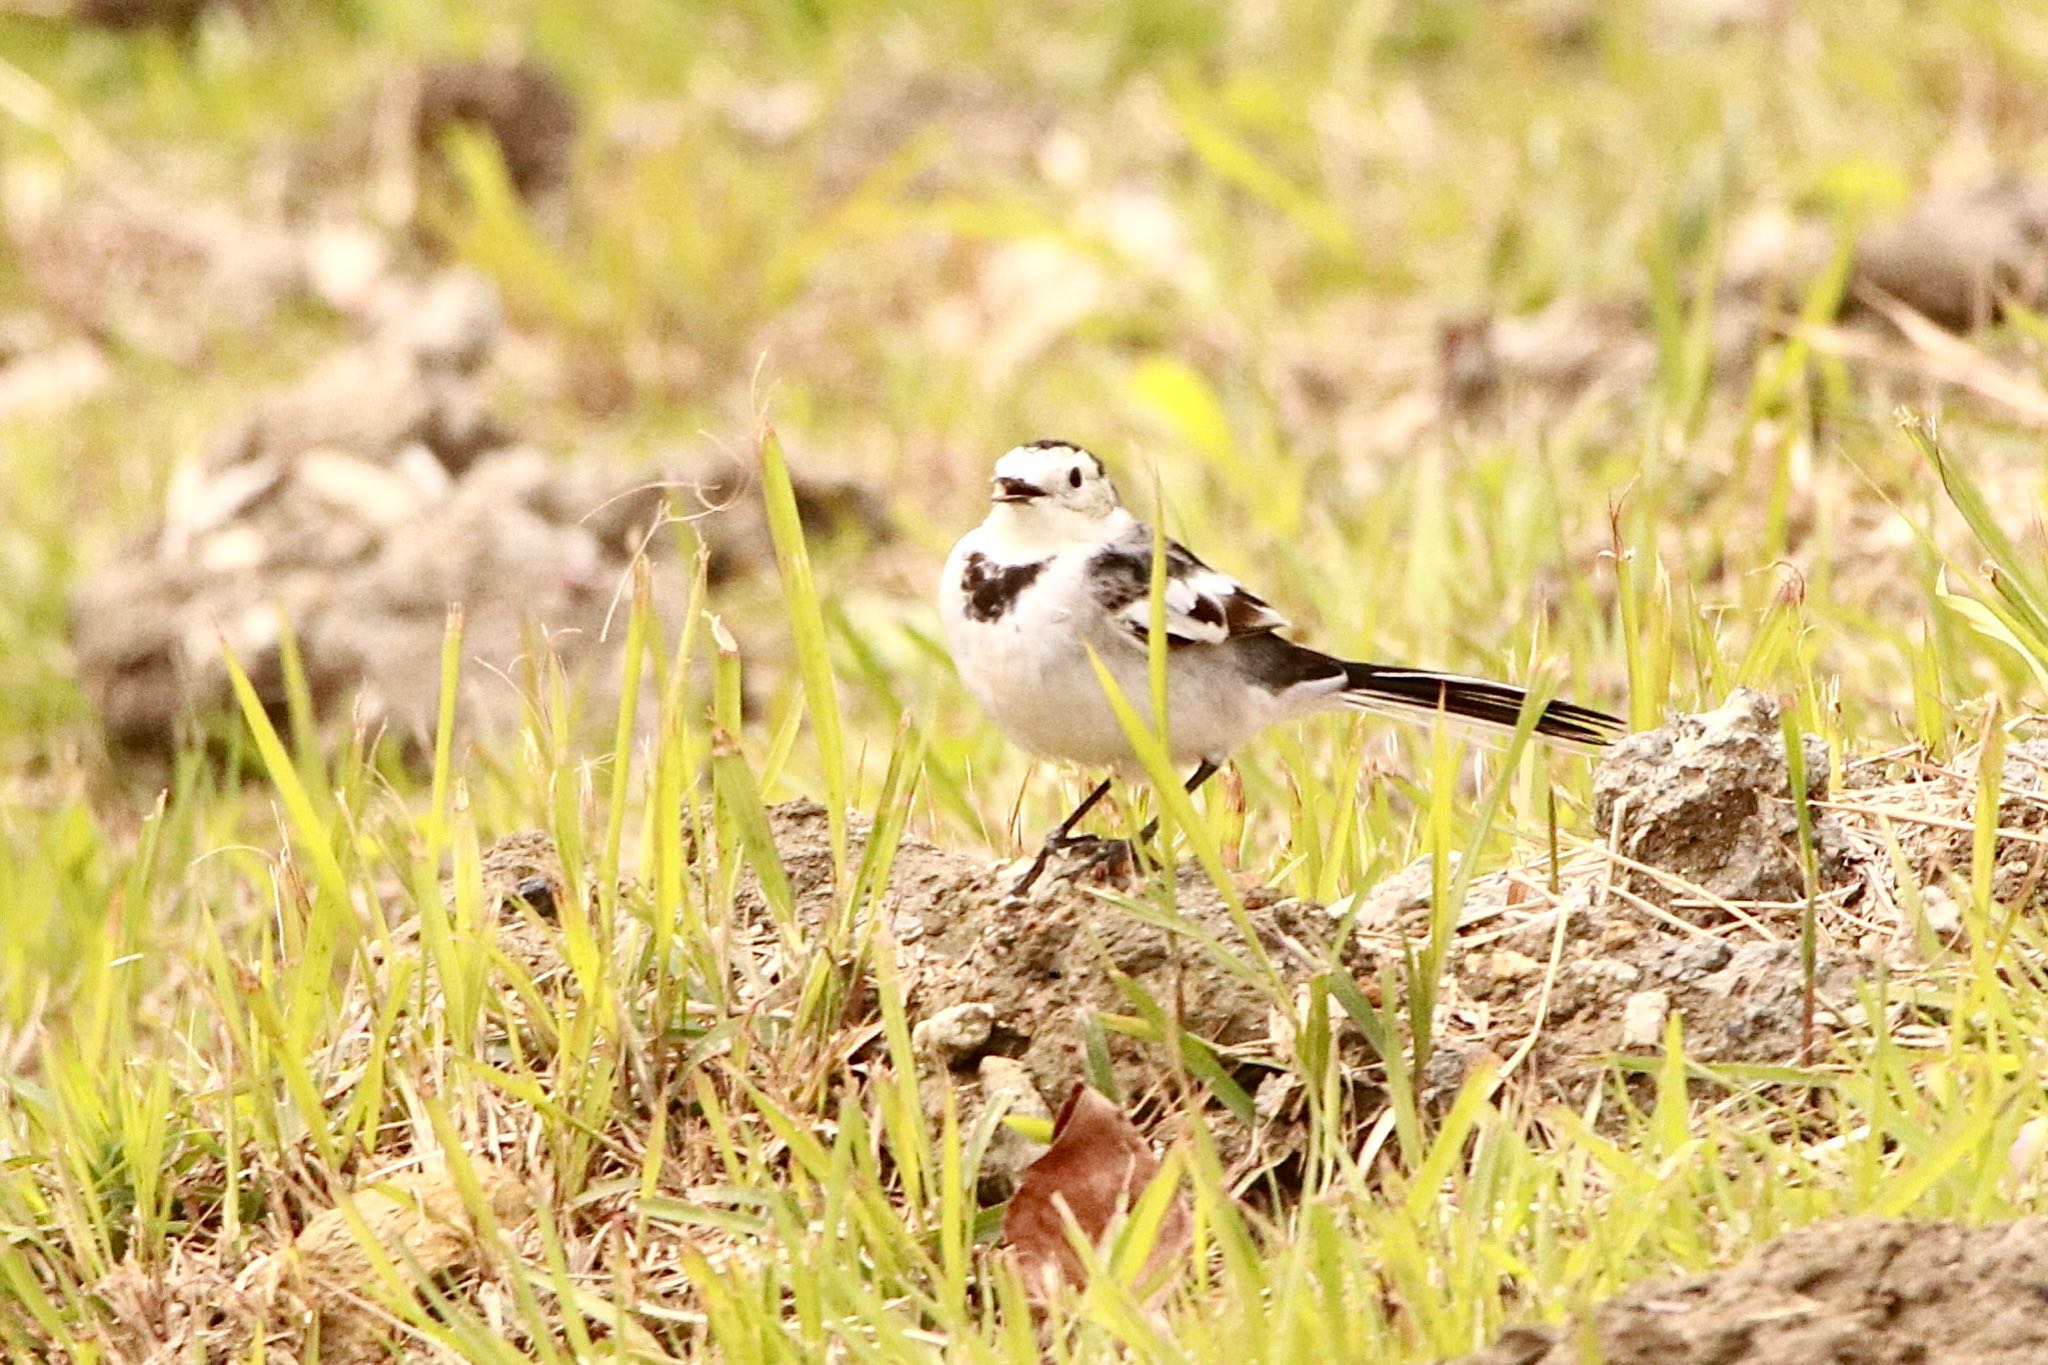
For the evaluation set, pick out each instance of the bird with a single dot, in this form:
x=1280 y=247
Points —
x=1058 y=575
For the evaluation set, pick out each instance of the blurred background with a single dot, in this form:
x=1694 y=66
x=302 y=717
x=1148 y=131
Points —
x=1507 y=335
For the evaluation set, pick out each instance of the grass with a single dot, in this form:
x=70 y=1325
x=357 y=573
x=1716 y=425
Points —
x=220 y=1025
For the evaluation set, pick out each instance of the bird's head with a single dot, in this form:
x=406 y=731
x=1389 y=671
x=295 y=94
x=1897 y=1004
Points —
x=1053 y=490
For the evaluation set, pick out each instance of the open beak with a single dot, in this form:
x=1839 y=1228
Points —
x=1015 y=490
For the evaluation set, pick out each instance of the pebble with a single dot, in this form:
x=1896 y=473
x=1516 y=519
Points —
x=1508 y=965
x=954 y=1033
x=1642 y=1019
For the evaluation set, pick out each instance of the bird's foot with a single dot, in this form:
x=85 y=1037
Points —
x=1094 y=858
x=1098 y=860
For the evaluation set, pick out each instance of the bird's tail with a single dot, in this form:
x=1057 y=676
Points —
x=1418 y=694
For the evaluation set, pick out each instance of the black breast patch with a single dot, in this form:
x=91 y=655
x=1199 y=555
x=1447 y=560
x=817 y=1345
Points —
x=992 y=589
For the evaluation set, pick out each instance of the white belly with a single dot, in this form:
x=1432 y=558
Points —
x=1031 y=672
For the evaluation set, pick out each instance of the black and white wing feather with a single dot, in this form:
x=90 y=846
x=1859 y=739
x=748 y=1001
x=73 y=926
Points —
x=1203 y=605
x=1207 y=608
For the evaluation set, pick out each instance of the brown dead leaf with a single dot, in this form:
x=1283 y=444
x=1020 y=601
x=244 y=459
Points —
x=1095 y=1171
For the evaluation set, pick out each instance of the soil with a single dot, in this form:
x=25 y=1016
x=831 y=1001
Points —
x=1008 y=990
x=1867 y=1291
x=1959 y=258
x=1563 y=984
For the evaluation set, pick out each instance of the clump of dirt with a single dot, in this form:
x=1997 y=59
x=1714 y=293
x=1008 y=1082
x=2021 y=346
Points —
x=1706 y=803
x=1560 y=972
x=1960 y=258
x=1046 y=966
x=1035 y=975
x=357 y=507
x=1874 y=1291
x=520 y=104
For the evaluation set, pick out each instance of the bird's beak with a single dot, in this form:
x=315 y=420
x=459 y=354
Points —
x=1014 y=490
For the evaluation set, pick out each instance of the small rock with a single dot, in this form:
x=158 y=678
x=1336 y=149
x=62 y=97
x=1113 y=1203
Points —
x=2024 y=1159
x=344 y=264
x=1642 y=1019
x=1444 y=1074
x=1505 y=964
x=773 y=115
x=53 y=380
x=1395 y=898
x=451 y=324
x=954 y=1035
x=1273 y=1094
x=1701 y=957
x=369 y=494
x=1939 y=911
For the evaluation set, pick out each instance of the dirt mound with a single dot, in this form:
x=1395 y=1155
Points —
x=1707 y=800
x=1700 y=922
x=357 y=507
x=1873 y=1291
x=1029 y=996
x=1690 y=908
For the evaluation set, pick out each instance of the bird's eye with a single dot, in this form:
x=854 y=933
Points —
x=1074 y=477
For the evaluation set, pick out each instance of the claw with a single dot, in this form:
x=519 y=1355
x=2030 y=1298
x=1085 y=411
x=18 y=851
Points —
x=1099 y=859
x=1094 y=854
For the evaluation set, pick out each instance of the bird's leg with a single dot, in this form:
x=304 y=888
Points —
x=1061 y=836
x=1202 y=773
x=1110 y=852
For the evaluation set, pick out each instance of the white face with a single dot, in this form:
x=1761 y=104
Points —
x=1053 y=478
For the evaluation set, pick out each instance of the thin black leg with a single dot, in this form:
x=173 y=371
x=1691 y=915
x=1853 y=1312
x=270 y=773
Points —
x=1064 y=835
x=1058 y=838
x=1202 y=773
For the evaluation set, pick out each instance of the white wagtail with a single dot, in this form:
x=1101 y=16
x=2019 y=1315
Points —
x=1059 y=567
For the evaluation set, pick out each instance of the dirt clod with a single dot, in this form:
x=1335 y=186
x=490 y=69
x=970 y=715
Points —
x=958 y=1033
x=1960 y=258
x=1873 y=1291
x=520 y=104
x=1706 y=800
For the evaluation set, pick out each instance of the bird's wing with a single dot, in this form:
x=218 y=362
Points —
x=1203 y=605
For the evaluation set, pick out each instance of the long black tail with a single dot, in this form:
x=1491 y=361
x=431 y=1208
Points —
x=1418 y=694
